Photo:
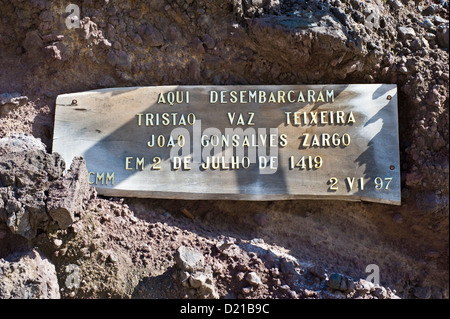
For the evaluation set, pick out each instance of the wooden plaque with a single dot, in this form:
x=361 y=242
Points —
x=247 y=142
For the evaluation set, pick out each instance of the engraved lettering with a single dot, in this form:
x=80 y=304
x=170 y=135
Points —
x=330 y=96
x=89 y=179
x=110 y=178
x=311 y=94
x=350 y=182
x=100 y=178
x=305 y=140
x=322 y=117
x=139 y=163
x=281 y=95
x=333 y=181
x=313 y=119
x=283 y=140
x=128 y=163
x=260 y=96
x=157 y=119
x=250 y=119
x=156 y=162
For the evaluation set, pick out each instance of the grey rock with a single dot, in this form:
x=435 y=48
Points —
x=427 y=24
x=28 y=276
x=18 y=219
x=240 y=276
x=319 y=272
x=208 y=41
x=151 y=36
x=25 y=176
x=258 y=3
x=20 y=142
x=419 y=43
x=247 y=4
x=334 y=281
x=57 y=242
x=403 y=70
x=443 y=36
x=26 y=213
x=380 y=293
x=123 y=60
x=406 y=32
x=247 y=290
x=13 y=98
x=194 y=275
x=365 y=286
x=433 y=97
x=188 y=259
x=66 y=195
x=430 y=10
x=422 y=292
x=198 y=280
x=285 y=288
x=438 y=20
x=119 y=59
x=111 y=258
x=395 y=4
x=197 y=46
x=341 y=282
x=253 y=279
x=33 y=43
x=225 y=243
x=355 y=4
x=340 y=15
x=184 y=278
x=203 y=283
x=111 y=58
x=444 y=3
x=288 y=266
x=431 y=37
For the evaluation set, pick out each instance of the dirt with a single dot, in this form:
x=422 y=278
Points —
x=126 y=247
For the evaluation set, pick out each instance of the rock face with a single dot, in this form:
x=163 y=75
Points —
x=34 y=191
x=20 y=142
x=66 y=195
x=195 y=274
x=135 y=243
x=28 y=276
x=25 y=176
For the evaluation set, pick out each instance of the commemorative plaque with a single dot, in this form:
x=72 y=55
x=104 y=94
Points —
x=236 y=142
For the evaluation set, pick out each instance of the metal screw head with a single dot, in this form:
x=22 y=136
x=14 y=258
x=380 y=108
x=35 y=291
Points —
x=74 y=102
x=392 y=167
x=389 y=97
